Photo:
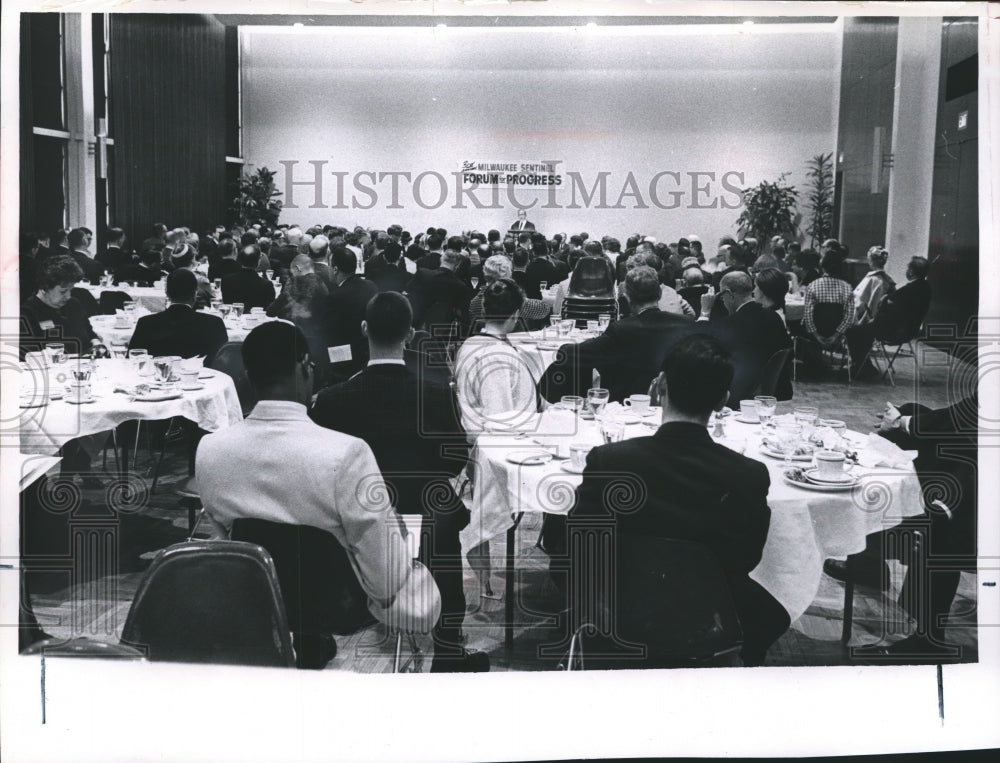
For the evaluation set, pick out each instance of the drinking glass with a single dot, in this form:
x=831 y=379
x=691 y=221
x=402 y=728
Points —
x=806 y=417
x=56 y=352
x=163 y=366
x=603 y=321
x=237 y=309
x=765 y=408
x=556 y=322
x=566 y=326
x=789 y=436
x=215 y=304
x=217 y=283
x=572 y=403
x=597 y=399
x=475 y=282
x=593 y=326
x=543 y=285
x=225 y=310
x=612 y=431
x=140 y=361
x=119 y=351
x=269 y=274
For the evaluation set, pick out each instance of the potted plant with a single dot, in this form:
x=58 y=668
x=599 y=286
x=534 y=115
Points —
x=256 y=199
x=769 y=209
x=820 y=201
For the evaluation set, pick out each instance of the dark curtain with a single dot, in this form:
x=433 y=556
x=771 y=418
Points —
x=168 y=110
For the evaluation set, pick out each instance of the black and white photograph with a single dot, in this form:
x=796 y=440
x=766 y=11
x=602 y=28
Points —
x=622 y=373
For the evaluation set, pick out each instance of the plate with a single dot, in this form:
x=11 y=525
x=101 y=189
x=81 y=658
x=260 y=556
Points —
x=206 y=375
x=550 y=346
x=743 y=420
x=192 y=387
x=567 y=466
x=156 y=397
x=653 y=410
x=819 y=488
x=813 y=475
x=777 y=454
x=529 y=457
x=79 y=400
x=39 y=402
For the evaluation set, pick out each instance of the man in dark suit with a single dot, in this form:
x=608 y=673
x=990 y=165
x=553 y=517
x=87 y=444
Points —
x=386 y=269
x=79 y=240
x=541 y=268
x=144 y=273
x=439 y=296
x=628 y=355
x=412 y=427
x=345 y=310
x=522 y=223
x=750 y=331
x=114 y=256
x=898 y=318
x=179 y=330
x=248 y=286
x=431 y=260
x=226 y=264
x=692 y=489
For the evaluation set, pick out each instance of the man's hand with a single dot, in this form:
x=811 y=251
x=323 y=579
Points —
x=891 y=418
x=707 y=302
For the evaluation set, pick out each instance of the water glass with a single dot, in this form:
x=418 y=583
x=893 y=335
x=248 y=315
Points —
x=225 y=310
x=217 y=283
x=789 y=436
x=765 y=408
x=140 y=361
x=593 y=326
x=56 y=352
x=119 y=351
x=806 y=417
x=556 y=322
x=237 y=309
x=566 y=326
x=572 y=403
x=612 y=431
x=597 y=399
x=603 y=321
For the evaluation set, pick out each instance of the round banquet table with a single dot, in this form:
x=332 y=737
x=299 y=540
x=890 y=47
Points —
x=109 y=333
x=150 y=298
x=46 y=428
x=806 y=526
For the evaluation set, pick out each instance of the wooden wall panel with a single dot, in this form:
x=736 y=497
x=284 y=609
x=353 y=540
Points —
x=168 y=116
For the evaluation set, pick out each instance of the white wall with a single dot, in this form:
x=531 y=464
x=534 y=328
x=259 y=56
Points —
x=717 y=99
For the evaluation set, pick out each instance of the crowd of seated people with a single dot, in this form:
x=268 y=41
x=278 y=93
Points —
x=360 y=299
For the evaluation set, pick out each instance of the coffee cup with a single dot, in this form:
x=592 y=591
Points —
x=189 y=379
x=578 y=454
x=638 y=403
x=748 y=410
x=830 y=463
x=78 y=390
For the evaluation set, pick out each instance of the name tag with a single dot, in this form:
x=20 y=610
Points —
x=340 y=353
x=46 y=325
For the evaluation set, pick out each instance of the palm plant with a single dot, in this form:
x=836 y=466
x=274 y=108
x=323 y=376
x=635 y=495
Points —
x=769 y=209
x=820 y=201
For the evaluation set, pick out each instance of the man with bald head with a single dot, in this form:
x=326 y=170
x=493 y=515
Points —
x=318 y=250
x=751 y=332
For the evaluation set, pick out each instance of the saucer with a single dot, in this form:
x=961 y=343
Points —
x=529 y=457
x=743 y=420
x=567 y=466
x=79 y=400
x=845 y=478
x=192 y=387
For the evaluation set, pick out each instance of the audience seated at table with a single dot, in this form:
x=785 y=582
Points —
x=184 y=258
x=145 y=272
x=899 y=317
x=247 y=286
x=670 y=300
x=630 y=352
x=946 y=441
x=534 y=312
x=345 y=310
x=692 y=488
x=411 y=424
x=770 y=287
x=115 y=255
x=440 y=297
x=278 y=465
x=496 y=384
x=79 y=240
x=180 y=329
x=751 y=332
x=53 y=315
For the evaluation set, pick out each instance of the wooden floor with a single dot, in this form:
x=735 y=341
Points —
x=97 y=607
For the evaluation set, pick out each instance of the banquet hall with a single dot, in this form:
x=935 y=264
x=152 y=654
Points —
x=328 y=323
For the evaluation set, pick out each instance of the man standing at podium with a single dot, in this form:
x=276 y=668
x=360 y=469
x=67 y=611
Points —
x=522 y=223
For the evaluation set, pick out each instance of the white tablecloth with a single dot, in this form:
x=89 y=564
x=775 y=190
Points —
x=45 y=429
x=152 y=298
x=106 y=330
x=806 y=527
x=795 y=307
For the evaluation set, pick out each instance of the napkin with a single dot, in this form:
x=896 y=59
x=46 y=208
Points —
x=193 y=364
x=878 y=451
